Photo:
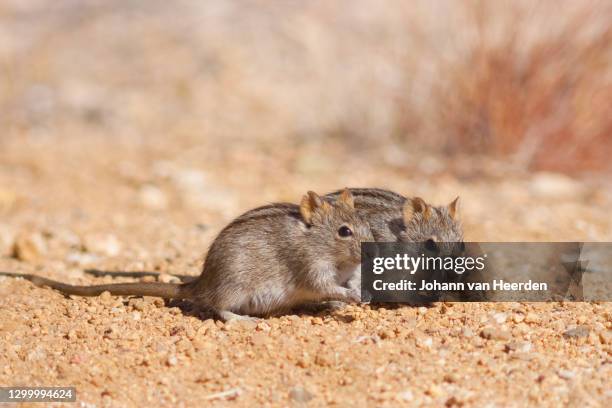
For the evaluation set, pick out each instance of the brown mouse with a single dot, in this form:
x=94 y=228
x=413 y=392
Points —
x=266 y=261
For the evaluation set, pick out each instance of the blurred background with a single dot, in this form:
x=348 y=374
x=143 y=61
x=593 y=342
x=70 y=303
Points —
x=528 y=81
x=144 y=117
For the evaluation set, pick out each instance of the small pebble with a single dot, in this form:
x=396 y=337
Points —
x=325 y=359
x=103 y=244
x=300 y=394
x=578 y=332
x=29 y=247
x=519 y=346
x=566 y=374
x=451 y=378
x=152 y=197
x=605 y=337
x=424 y=342
x=406 y=395
x=490 y=333
x=499 y=318
x=241 y=324
x=138 y=304
x=167 y=278
x=434 y=391
x=172 y=360
x=467 y=332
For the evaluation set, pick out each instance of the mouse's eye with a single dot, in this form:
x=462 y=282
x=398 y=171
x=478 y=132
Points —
x=345 y=231
x=431 y=245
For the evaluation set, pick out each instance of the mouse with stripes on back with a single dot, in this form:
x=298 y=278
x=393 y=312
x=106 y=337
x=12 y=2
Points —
x=395 y=218
x=267 y=261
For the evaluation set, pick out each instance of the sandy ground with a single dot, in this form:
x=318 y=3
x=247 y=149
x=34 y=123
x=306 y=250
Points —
x=90 y=204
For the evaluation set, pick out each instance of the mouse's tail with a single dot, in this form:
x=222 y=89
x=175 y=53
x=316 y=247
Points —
x=157 y=289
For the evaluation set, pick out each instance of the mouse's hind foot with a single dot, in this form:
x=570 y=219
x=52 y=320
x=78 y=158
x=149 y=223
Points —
x=228 y=316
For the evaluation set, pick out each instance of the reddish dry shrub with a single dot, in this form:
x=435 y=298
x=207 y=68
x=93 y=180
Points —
x=546 y=104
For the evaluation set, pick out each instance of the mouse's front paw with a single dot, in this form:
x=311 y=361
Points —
x=343 y=294
x=353 y=295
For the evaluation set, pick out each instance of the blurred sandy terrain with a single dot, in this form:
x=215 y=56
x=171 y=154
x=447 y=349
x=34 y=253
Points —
x=132 y=132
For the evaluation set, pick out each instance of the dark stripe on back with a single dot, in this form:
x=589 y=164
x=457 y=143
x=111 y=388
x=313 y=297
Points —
x=268 y=211
x=371 y=192
x=373 y=195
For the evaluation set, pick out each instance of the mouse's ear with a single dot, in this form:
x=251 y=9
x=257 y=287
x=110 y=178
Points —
x=311 y=204
x=414 y=206
x=453 y=209
x=347 y=198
